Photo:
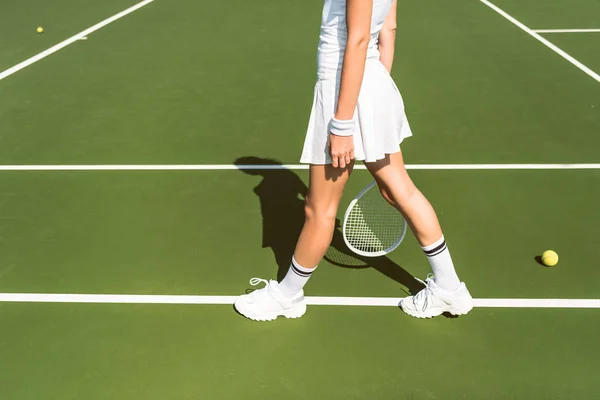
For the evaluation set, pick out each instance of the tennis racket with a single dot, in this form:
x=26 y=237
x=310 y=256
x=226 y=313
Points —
x=372 y=227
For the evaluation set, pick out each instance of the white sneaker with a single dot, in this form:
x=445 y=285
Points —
x=433 y=301
x=268 y=303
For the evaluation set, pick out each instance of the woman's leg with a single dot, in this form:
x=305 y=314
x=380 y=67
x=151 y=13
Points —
x=325 y=190
x=287 y=297
x=399 y=190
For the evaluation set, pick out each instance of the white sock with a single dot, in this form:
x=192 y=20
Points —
x=295 y=279
x=441 y=264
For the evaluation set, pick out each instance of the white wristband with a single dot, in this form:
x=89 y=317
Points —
x=342 y=128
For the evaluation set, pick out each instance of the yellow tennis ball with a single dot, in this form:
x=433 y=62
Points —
x=40 y=29
x=550 y=258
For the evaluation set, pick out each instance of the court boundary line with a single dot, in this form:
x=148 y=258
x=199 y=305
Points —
x=311 y=300
x=566 y=30
x=544 y=41
x=225 y=167
x=79 y=36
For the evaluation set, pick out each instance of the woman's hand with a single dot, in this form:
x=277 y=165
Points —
x=341 y=149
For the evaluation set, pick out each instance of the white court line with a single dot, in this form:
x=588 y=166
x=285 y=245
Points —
x=566 y=30
x=80 y=36
x=547 y=43
x=311 y=300
x=216 y=167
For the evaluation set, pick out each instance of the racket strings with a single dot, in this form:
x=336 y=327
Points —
x=373 y=225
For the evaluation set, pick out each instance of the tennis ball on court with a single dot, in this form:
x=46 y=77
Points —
x=550 y=258
x=40 y=29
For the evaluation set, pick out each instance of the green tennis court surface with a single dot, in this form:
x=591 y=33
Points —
x=210 y=83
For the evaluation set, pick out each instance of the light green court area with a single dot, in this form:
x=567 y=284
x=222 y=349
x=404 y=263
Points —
x=582 y=46
x=205 y=82
x=203 y=232
x=199 y=82
x=563 y=14
x=60 y=19
x=553 y=14
x=188 y=352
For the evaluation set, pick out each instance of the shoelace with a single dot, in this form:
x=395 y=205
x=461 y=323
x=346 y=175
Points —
x=260 y=292
x=424 y=295
x=256 y=281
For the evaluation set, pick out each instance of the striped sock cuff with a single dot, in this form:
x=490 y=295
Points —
x=300 y=270
x=435 y=248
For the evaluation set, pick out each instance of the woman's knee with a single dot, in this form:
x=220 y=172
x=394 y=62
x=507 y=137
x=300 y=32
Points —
x=319 y=212
x=401 y=193
x=386 y=194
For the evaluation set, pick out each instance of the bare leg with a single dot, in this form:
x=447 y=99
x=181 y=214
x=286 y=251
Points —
x=400 y=191
x=324 y=193
x=445 y=293
x=286 y=298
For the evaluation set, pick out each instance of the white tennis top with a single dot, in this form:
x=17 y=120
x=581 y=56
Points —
x=333 y=36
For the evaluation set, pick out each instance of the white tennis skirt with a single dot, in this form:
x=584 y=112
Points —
x=381 y=123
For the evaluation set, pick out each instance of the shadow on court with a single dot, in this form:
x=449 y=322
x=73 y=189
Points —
x=281 y=193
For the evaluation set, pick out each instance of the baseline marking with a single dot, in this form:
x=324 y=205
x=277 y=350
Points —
x=312 y=300
x=80 y=36
x=546 y=42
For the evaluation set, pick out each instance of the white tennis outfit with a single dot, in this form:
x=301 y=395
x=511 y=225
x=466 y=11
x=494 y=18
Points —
x=380 y=120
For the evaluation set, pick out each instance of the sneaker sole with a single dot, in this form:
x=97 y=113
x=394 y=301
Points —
x=434 y=313
x=295 y=312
